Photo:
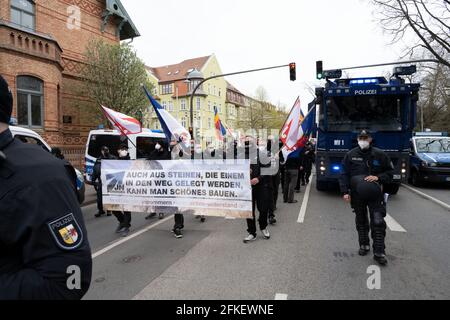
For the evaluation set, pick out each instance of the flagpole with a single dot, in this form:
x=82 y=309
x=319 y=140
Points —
x=298 y=98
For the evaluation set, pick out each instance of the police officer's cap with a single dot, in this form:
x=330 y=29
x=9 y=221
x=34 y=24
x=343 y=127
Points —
x=364 y=134
x=105 y=149
x=123 y=146
x=6 y=101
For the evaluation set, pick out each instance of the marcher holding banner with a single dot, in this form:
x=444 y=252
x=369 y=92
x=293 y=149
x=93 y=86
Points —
x=258 y=194
x=124 y=217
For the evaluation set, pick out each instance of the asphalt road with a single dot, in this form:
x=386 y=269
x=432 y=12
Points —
x=315 y=259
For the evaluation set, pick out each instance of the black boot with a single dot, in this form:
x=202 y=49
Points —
x=364 y=250
x=380 y=258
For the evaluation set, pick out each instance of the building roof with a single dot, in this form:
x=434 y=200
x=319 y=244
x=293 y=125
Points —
x=128 y=30
x=233 y=88
x=178 y=71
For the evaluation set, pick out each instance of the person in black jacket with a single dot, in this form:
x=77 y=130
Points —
x=261 y=193
x=45 y=252
x=309 y=157
x=97 y=180
x=292 y=167
x=158 y=154
x=365 y=170
x=124 y=217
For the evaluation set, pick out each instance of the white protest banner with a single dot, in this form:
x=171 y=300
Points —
x=200 y=187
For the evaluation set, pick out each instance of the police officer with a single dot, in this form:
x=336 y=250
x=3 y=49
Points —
x=45 y=253
x=124 y=218
x=364 y=171
x=97 y=179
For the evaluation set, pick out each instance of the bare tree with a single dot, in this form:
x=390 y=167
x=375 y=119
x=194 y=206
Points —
x=113 y=76
x=261 y=114
x=434 y=99
x=427 y=20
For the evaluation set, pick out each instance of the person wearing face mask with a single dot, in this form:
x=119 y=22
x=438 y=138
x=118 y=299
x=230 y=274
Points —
x=365 y=170
x=158 y=154
x=124 y=218
x=97 y=179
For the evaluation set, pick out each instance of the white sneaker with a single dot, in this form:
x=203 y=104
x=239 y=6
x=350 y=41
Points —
x=249 y=238
x=266 y=234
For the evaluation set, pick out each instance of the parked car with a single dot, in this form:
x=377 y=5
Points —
x=142 y=145
x=430 y=158
x=29 y=136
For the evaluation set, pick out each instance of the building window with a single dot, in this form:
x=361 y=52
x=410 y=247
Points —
x=22 y=13
x=209 y=123
x=199 y=105
x=184 y=122
x=166 y=89
x=220 y=92
x=30 y=101
x=209 y=106
x=183 y=104
x=164 y=105
x=171 y=106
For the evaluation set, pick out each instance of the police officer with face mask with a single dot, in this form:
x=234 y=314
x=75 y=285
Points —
x=365 y=170
x=44 y=249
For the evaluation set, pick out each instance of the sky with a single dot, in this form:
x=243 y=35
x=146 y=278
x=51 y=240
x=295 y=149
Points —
x=251 y=34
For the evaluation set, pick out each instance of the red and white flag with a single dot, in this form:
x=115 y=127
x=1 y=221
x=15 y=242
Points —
x=125 y=124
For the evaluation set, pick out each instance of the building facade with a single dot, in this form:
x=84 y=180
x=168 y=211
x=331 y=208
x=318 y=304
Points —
x=174 y=91
x=41 y=56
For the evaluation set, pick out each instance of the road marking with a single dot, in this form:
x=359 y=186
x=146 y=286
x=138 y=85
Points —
x=428 y=197
x=281 y=296
x=131 y=236
x=393 y=225
x=301 y=216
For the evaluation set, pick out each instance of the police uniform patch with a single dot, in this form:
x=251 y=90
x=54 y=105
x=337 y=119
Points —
x=67 y=232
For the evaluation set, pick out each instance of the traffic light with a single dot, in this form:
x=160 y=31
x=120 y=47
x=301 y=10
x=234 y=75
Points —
x=191 y=132
x=292 y=71
x=319 y=70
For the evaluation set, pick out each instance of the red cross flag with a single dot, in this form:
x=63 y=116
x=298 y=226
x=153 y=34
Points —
x=125 y=124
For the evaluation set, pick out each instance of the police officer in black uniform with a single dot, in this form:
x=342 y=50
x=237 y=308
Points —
x=365 y=170
x=44 y=249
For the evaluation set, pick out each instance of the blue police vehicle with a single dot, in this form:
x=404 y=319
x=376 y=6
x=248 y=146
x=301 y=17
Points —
x=387 y=108
x=430 y=158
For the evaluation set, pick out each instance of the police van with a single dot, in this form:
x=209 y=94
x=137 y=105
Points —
x=29 y=136
x=140 y=147
x=430 y=158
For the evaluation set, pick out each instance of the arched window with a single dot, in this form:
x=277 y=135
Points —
x=30 y=101
x=23 y=13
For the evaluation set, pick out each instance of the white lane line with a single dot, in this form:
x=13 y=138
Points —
x=131 y=236
x=428 y=197
x=281 y=296
x=393 y=225
x=301 y=216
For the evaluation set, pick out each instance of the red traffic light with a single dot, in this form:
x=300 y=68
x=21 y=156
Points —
x=293 y=71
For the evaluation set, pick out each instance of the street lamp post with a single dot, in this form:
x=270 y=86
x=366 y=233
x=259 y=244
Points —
x=192 y=77
x=196 y=75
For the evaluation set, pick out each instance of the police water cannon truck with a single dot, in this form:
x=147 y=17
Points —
x=387 y=108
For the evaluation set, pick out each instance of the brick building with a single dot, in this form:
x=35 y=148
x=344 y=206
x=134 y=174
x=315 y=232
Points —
x=41 y=55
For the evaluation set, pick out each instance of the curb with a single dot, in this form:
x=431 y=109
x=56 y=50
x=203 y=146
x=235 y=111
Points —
x=426 y=196
x=88 y=203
